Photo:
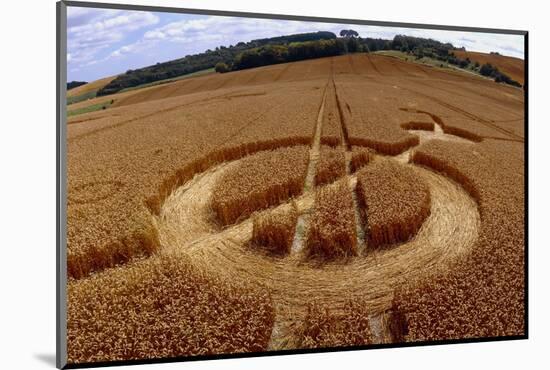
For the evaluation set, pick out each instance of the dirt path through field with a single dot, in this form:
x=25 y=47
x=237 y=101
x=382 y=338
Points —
x=281 y=335
x=303 y=218
x=346 y=148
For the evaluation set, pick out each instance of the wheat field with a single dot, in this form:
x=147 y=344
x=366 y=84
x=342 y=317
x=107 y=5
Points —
x=341 y=201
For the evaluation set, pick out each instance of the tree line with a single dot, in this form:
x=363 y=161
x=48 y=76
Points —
x=291 y=48
x=491 y=71
x=295 y=51
x=73 y=84
x=197 y=62
x=268 y=54
x=420 y=47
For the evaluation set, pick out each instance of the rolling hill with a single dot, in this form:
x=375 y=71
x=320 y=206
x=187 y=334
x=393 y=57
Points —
x=513 y=67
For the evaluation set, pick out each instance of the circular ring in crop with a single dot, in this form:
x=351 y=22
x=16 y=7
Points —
x=185 y=224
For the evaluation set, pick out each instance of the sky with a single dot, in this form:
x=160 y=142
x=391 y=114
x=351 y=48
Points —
x=106 y=42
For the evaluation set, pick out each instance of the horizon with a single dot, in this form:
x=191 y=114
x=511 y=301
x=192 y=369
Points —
x=106 y=42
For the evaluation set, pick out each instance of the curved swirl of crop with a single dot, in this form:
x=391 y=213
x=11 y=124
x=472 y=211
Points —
x=185 y=224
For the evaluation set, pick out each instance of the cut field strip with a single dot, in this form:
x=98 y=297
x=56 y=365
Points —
x=282 y=335
x=301 y=225
x=374 y=67
x=346 y=147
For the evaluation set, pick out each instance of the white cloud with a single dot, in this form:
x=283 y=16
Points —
x=80 y=16
x=91 y=30
x=155 y=34
x=226 y=30
x=127 y=21
x=129 y=49
x=473 y=41
x=209 y=32
x=75 y=12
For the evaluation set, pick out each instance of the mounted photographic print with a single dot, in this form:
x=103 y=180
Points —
x=235 y=184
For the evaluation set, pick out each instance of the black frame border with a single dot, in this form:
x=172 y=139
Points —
x=61 y=193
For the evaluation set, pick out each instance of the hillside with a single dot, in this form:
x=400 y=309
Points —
x=201 y=61
x=291 y=48
x=98 y=95
x=513 y=67
x=89 y=87
x=87 y=91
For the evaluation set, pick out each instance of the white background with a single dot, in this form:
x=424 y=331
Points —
x=27 y=208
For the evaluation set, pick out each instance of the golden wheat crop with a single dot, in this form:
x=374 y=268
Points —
x=261 y=180
x=323 y=328
x=331 y=165
x=360 y=156
x=332 y=130
x=482 y=296
x=125 y=161
x=418 y=125
x=178 y=295
x=163 y=307
x=274 y=230
x=395 y=202
x=332 y=233
x=368 y=126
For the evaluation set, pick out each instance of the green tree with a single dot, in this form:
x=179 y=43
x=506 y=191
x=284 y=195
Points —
x=353 y=45
x=349 y=33
x=221 y=67
x=488 y=70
